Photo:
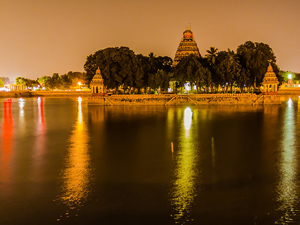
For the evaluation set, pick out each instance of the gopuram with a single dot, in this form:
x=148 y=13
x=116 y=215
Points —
x=186 y=47
x=270 y=82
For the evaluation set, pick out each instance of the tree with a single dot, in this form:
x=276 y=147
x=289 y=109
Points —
x=159 y=80
x=254 y=58
x=229 y=69
x=212 y=55
x=189 y=69
x=119 y=66
x=27 y=82
x=1 y=83
x=47 y=82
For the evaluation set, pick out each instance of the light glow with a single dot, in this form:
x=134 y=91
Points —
x=187 y=86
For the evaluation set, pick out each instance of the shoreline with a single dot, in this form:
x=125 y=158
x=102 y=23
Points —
x=158 y=99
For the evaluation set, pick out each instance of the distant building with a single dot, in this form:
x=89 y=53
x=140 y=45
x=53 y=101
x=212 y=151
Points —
x=16 y=87
x=186 y=47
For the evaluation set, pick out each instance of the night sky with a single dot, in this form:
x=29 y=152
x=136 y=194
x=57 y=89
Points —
x=39 y=37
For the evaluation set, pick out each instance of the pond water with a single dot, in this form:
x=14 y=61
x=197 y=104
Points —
x=64 y=162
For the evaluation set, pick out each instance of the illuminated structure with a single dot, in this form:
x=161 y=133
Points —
x=96 y=84
x=186 y=47
x=270 y=81
x=17 y=87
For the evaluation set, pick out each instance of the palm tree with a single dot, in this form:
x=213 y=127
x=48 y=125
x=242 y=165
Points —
x=212 y=55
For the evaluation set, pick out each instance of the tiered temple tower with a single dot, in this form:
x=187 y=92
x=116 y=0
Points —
x=270 y=81
x=96 y=84
x=186 y=47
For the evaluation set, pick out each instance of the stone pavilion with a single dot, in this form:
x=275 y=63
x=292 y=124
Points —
x=270 y=81
x=97 y=84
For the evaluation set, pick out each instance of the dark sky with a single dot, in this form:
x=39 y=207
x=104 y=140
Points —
x=39 y=37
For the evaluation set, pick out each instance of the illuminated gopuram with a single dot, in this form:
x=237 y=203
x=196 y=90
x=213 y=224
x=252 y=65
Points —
x=97 y=84
x=270 y=81
x=186 y=47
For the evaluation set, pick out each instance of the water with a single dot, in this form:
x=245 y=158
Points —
x=64 y=162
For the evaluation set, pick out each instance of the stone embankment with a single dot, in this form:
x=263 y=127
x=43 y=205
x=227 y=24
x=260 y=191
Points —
x=17 y=94
x=289 y=91
x=193 y=99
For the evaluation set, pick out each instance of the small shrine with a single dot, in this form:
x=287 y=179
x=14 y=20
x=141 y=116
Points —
x=97 y=84
x=270 y=81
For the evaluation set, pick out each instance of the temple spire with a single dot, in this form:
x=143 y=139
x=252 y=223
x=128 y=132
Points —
x=186 y=47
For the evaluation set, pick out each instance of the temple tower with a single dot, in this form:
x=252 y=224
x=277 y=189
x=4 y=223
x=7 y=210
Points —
x=96 y=84
x=270 y=81
x=186 y=47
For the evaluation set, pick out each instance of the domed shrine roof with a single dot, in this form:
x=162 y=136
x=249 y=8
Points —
x=188 y=33
x=186 y=47
x=270 y=76
x=97 y=79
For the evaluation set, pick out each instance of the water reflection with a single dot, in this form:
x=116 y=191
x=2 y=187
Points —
x=184 y=189
x=288 y=187
x=41 y=138
x=21 y=106
x=6 y=147
x=76 y=175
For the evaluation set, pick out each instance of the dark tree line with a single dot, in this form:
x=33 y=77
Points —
x=121 y=67
x=56 y=81
x=244 y=68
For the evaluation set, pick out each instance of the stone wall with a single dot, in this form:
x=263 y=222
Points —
x=193 y=99
x=18 y=94
x=61 y=93
x=289 y=91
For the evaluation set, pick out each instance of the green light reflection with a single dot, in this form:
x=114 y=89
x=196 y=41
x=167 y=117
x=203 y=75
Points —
x=288 y=186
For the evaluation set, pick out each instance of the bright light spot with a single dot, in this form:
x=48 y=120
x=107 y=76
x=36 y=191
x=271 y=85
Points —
x=170 y=90
x=79 y=99
x=43 y=88
x=187 y=86
x=79 y=83
x=290 y=76
x=195 y=87
x=187 y=118
x=290 y=102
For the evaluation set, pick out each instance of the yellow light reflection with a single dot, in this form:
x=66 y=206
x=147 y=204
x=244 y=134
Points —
x=21 y=106
x=288 y=187
x=76 y=175
x=184 y=190
x=187 y=120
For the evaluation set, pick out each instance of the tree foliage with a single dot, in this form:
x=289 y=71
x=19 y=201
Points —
x=1 y=83
x=120 y=66
x=190 y=69
x=254 y=59
x=65 y=81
